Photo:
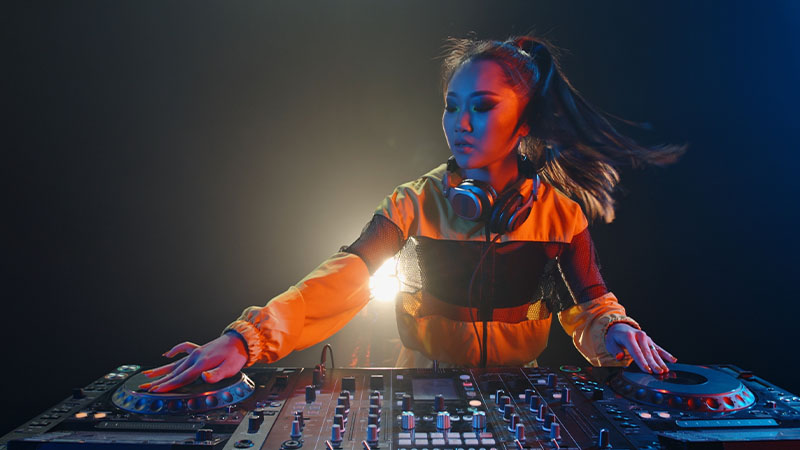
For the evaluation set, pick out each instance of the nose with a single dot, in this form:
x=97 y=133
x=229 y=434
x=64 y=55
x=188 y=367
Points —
x=463 y=123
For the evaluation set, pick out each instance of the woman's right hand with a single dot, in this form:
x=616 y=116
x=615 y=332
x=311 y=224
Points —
x=219 y=359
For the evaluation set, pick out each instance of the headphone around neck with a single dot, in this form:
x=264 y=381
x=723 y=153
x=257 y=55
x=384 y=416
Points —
x=478 y=201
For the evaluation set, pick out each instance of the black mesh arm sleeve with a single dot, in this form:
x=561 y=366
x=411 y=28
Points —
x=579 y=267
x=380 y=240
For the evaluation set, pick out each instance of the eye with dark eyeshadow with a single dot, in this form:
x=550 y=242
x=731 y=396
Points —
x=483 y=106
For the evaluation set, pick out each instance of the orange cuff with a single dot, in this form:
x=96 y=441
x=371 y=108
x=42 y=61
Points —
x=587 y=324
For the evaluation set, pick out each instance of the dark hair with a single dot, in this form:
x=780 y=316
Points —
x=572 y=143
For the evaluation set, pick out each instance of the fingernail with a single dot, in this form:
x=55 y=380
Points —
x=620 y=355
x=147 y=371
x=145 y=386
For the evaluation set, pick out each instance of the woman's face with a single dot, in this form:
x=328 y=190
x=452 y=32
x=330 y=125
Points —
x=480 y=116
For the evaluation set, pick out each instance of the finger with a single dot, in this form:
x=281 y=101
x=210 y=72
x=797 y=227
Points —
x=227 y=369
x=187 y=376
x=636 y=354
x=657 y=357
x=666 y=355
x=183 y=347
x=166 y=368
x=185 y=363
x=644 y=344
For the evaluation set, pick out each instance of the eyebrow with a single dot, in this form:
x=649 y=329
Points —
x=474 y=94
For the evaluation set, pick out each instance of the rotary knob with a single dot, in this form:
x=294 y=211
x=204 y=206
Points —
x=528 y=394
x=373 y=419
x=566 y=396
x=534 y=402
x=513 y=420
x=519 y=432
x=508 y=410
x=540 y=415
x=407 y=420
x=438 y=403
x=603 y=439
x=552 y=380
x=549 y=419
x=407 y=402
x=311 y=394
x=504 y=400
x=204 y=434
x=375 y=410
x=254 y=423
x=338 y=419
x=340 y=411
x=497 y=396
x=555 y=431
x=298 y=416
x=443 y=421
x=479 y=420
x=336 y=433
x=372 y=433
x=344 y=400
x=296 y=433
x=375 y=399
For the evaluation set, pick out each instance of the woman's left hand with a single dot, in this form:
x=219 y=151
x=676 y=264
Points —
x=645 y=353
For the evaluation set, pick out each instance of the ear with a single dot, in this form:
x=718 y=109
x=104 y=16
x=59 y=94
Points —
x=524 y=130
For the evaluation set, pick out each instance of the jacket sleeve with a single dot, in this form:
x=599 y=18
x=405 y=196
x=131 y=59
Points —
x=308 y=312
x=594 y=308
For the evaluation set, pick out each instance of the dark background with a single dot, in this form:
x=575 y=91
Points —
x=166 y=164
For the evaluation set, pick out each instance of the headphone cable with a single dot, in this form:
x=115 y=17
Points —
x=491 y=242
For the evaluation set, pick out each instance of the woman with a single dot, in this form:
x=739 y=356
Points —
x=480 y=238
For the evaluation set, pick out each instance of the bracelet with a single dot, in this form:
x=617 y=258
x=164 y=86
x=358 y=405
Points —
x=241 y=338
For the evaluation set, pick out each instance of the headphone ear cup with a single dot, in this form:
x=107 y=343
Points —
x=505 y=209
x=472 y=199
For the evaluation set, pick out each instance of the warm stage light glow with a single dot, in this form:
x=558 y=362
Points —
x=384 y=283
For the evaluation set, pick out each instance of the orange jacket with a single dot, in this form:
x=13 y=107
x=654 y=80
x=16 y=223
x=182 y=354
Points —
x=430 y=326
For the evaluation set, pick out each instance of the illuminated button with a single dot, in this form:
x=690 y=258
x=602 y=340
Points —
x=645 y=415
x=100 y=415
x=475 y=403
x=81 y=415
x=663 y=415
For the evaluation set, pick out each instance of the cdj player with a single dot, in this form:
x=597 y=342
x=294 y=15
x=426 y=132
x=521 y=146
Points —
x=570 y=407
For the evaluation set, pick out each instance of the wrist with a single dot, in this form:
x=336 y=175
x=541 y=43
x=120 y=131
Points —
x=238 y=341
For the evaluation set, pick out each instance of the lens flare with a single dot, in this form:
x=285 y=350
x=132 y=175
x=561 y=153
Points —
x=384 y=284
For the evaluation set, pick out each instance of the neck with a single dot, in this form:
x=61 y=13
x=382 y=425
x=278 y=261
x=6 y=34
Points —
x=499 y=174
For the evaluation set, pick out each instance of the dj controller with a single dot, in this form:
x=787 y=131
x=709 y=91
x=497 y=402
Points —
x=570 y=407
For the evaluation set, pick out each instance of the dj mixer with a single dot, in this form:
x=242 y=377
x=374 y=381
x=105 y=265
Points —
x=569 y=407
